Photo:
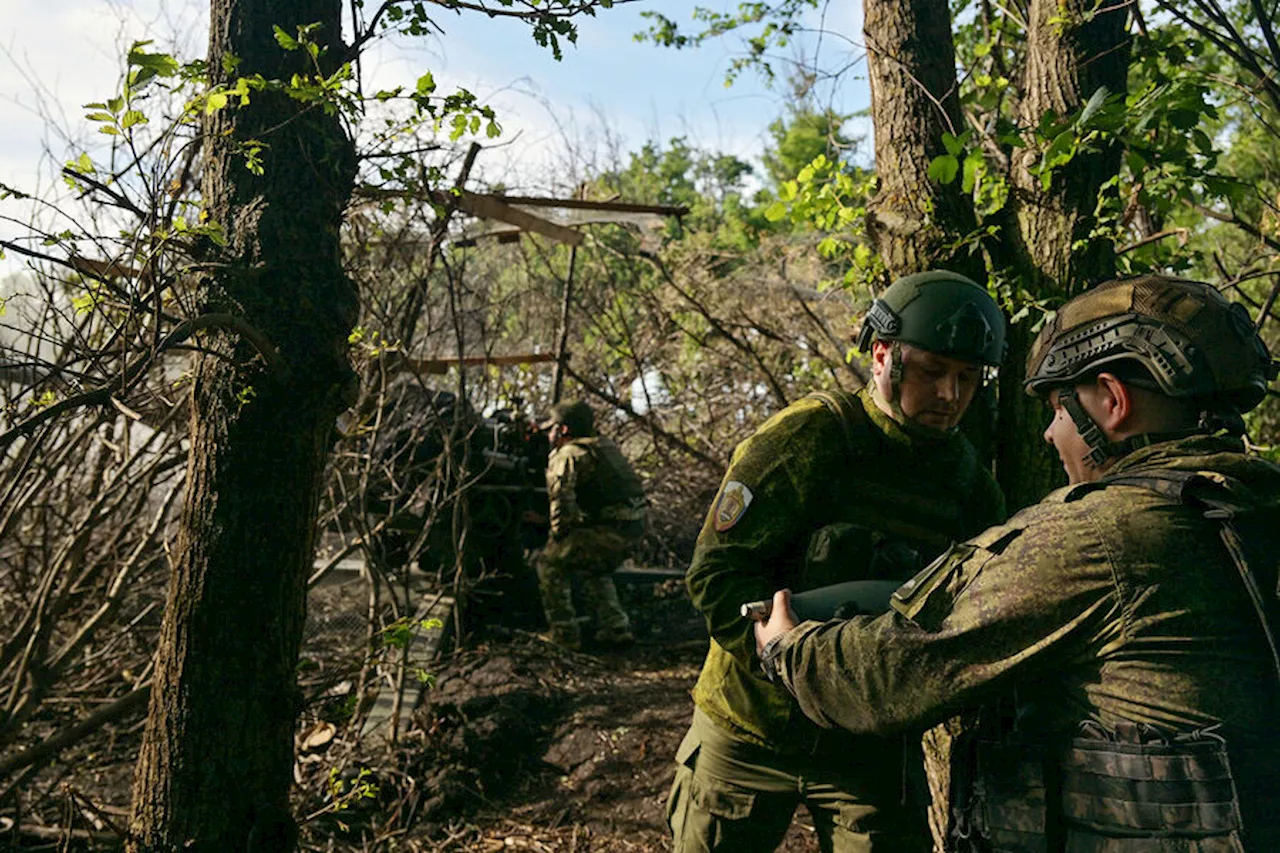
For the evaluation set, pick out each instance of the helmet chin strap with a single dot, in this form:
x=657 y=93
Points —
x=896 y=365
x=1099 y=446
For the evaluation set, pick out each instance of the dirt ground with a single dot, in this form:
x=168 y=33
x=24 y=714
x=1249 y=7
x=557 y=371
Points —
x=522 y=745
x=517 y=745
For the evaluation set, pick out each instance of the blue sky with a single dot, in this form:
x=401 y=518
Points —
x=609 y=94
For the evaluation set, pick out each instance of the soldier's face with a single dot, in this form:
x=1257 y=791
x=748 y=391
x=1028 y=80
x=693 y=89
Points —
x=935 y=390
x=1065 y=438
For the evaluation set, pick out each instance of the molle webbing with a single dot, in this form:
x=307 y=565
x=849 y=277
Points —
x=904 y=497
x=1177 y=789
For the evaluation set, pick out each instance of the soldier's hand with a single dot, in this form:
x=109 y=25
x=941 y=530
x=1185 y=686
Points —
x=780 y=621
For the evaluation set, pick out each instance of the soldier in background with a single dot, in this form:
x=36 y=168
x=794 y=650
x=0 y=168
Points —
x=835 y=487
x=597 y=515
x=1120 y=634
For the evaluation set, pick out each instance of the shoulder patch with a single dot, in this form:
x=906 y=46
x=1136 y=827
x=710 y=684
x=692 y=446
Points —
x=734 y=499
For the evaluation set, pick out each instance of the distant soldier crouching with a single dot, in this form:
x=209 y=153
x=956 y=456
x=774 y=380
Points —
x=597 y=519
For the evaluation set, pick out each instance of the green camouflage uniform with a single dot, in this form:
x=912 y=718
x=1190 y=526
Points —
x=803 y=505
x=597 y=517
x=1113 y=630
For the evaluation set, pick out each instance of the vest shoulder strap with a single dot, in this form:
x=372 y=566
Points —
x=1195 y=489
x=849 y=413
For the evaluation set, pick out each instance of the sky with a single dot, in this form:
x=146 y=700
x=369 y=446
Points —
x=609 y=93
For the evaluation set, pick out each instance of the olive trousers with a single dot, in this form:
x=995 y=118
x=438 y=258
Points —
x=730 y=796
x=593 y=554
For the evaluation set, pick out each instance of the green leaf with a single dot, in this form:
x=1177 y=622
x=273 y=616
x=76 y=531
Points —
x=131 y=118
x=217 y=100
x=974 y=165
x=426 y=84
x=953 y=145
x=775 y=212
x=1096 y=100
x=943 y=169
x=283 y=39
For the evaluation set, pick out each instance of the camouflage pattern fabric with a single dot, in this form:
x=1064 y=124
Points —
x=597 y=518
x=1107 y=608
x=589 y=481
x=804 y=505
x=736 y=797
x=895 y=488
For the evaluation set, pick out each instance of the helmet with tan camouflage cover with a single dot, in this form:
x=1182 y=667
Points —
x=941 y=311
x=1192 y=341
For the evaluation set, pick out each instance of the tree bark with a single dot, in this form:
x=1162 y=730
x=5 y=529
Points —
x=1071 y=52
x=216 y=760
x=913 y=220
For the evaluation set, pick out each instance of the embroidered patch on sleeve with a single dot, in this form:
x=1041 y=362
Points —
x=733 y=503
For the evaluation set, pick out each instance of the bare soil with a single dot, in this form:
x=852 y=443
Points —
x=518 y=745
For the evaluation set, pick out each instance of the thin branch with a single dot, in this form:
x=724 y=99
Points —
x=623 y=406
x=131 y=374
x=77 y=732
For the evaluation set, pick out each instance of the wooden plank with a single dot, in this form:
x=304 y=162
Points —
x=579 y=204
x=420 y=652
x=440 y=365
x=489 y=207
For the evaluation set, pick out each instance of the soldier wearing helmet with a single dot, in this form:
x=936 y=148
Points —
x=835 y=487
x=597 y=509
x=1119 y=636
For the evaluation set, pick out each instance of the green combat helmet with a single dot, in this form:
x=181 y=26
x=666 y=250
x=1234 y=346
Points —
x=940 y=311
x=574 y=414
x=1192 y=341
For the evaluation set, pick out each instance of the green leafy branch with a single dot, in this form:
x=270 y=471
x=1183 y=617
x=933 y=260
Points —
x=779 y=24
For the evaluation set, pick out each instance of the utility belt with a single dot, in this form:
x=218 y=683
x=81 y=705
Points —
x=1130 y=791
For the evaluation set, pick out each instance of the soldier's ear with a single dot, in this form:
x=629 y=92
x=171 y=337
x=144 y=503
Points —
x=879 y=356
x=1114 y=402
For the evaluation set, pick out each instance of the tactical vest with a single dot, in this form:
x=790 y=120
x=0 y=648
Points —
x=1133 y=790
x=904 y=514
x=612 y=492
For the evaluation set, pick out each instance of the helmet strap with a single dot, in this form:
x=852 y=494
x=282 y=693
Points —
x=1099 y=447
x=896 y=367
x=896 y=363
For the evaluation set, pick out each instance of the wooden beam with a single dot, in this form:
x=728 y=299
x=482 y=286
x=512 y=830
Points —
x=440 y=365
x=579 y=204
x=489 y=207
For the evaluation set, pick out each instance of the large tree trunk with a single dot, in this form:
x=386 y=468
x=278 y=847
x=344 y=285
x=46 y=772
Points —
x=1071 y=52
x=913 y=219
x=915 y=222
x=216 y=760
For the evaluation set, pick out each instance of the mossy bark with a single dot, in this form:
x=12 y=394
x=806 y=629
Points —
x=217 y=753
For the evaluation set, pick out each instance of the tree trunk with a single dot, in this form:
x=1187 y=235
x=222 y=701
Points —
x=1071 y=52
x=913 y=220
x=216 y=759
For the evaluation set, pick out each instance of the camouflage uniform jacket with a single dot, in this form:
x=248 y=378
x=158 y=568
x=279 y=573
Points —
x=1106 y=606
x=590 y=482
x=821 y=509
